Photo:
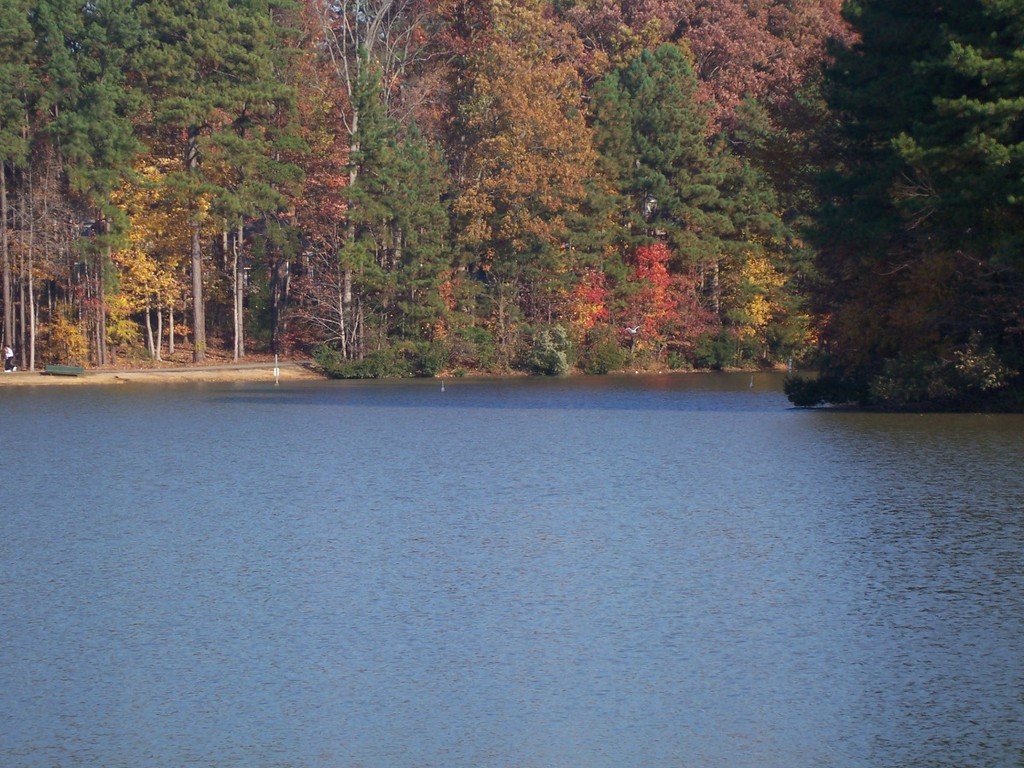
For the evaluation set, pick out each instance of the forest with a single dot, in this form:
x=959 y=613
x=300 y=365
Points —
x=443 y=187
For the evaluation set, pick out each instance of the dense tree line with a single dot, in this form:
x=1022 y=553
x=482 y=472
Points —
x=417 y=186
x=921 y=236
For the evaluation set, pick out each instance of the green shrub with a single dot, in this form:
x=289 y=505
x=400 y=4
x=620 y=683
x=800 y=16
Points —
x=971 y=374
x=328 y=359
x=677 y=361
x=472 y=347
x=717 y=351
x=602 y=353
x=388 y=363
x=430 y=358
x=549 y=354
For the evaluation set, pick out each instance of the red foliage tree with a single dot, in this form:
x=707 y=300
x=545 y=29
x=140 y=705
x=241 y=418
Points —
x=589 y=301
x=663 y=310
x=760 y=48
x=653 y=305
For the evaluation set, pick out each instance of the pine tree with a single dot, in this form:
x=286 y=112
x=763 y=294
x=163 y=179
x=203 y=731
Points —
x=919 y=296
x=84 y=52
x=250 y=163
x=398 y=222
x=970 y=146
x=668 y=173
x=421 y=223
x=18 y=88
x=678 y=185
x=212 y=83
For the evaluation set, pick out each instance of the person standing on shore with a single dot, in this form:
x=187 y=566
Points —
x=8 y=359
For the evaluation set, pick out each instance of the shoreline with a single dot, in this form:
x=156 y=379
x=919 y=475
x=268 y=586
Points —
x=255 y=372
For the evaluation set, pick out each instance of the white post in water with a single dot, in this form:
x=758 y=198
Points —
x=277 y=372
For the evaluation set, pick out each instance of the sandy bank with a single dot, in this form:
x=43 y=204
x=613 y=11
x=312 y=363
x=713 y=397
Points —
x=243 y=372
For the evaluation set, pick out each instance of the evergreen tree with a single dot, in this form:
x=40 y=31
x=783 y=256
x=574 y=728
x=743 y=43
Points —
x=652 y=134
x=421 y=226
x=970 y=145
x=17 y=90
x=18 y=86
x=398 y=222
x=921 y=302
x=248 y=161
x=210 y=75
x=84 y=52
x=677 y=184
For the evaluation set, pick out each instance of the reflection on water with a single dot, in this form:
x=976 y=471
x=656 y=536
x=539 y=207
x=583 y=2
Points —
x=634 y=571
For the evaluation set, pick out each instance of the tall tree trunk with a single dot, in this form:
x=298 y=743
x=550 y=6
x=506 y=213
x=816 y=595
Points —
x=24 y=284
x=238 y=272
x=101 y=304
x=22 y=320
x=198 y=309
x=170 y=331
x=348 y=323
x=159 y=334
x=716 y=289
x=33 y=326
x=342 y=329
x=348 y=318
x=96 y=314
x=33 y=312
x=150 y=343
x=360 y=330
x=5 y=257
x=279 y=273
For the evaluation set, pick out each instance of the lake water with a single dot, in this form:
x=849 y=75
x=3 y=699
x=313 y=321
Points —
x=635 y=572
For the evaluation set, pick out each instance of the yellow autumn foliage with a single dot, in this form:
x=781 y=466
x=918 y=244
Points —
x=530 y=149
x=151 y=265
x=761 y=280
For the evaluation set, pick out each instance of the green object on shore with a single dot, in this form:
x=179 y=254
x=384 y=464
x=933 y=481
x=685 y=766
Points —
x=64 y=370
